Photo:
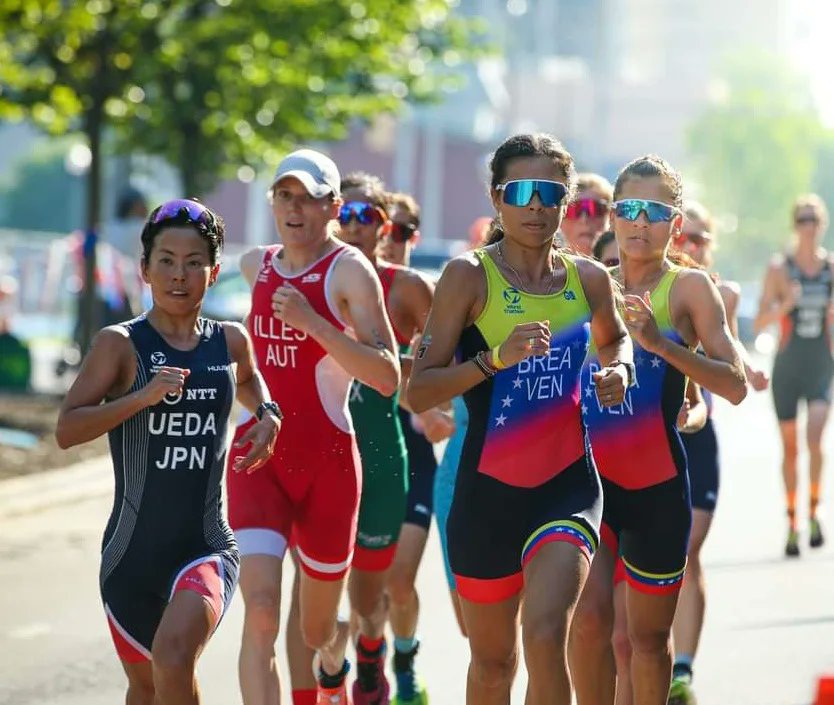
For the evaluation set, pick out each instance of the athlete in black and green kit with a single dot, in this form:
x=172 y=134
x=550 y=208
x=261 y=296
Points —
x=364 y=220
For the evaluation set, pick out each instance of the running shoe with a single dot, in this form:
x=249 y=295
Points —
x=680 y=691
x=792 y=545
x=371 y=686
x=816 y=539
x=332 y=696
x=410 y=691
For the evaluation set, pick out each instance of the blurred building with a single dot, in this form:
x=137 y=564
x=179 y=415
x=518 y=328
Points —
x=613 y=79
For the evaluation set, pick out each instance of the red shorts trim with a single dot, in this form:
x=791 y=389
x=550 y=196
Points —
x=489 y=590
x=552 y=538
x=205 y=577
x=609 y=538
x=620 y=572
x=374 y=559
x=128 y=649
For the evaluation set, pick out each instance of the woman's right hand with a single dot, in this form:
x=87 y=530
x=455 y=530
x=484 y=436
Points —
x=167 y=381
x=791 y=297
x=526 y=340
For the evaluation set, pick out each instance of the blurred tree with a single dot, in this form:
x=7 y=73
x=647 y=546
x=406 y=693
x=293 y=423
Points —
x=39 y=179
x=754 y=150
x=238 y=81
x=65 y=65
x=216 y=84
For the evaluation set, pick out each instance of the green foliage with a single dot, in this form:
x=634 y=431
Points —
x=755 y=149
x=214 y=84
x=239 y=84
x=41 y=195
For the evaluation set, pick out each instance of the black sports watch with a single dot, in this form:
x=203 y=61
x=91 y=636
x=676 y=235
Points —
x=270 y=406
x=631 y=373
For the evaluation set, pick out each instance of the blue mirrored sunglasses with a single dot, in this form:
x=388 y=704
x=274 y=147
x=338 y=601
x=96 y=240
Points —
x=656 y=212
x=520 y=192
x=365 y=213
x=185 y=210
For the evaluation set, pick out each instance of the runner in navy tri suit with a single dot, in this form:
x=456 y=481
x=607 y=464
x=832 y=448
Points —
x=161 y=386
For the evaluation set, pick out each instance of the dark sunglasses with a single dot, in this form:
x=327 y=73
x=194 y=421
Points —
x=611 y=262
x=402 y=232
x=656 y=212
x=520 y=192
x=698 y=239
x=806 y=220
x=183 y=210
x=365 y=213
x=592 y=207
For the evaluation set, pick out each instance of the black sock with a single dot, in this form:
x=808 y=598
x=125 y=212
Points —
x=328 y=681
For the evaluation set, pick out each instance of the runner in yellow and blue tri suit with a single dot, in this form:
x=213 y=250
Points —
x=525 y=515
x=636 y=445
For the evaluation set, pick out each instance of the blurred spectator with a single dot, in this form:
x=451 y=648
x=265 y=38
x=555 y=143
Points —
x=15 y=360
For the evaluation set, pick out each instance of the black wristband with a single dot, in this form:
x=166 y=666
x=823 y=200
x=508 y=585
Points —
x=486 y=369
x=270 y=406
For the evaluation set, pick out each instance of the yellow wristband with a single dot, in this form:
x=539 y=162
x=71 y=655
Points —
x=496 y=359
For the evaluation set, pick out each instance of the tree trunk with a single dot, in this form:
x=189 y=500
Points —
x=89 y=309
x=189 y=165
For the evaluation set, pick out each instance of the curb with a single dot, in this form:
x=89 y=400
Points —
x=31 y=493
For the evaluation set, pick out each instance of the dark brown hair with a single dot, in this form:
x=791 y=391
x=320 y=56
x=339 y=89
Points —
x=652 y=166
x=539 y=144
x=375 y=187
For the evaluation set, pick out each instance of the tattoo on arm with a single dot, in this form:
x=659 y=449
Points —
x=424 y=346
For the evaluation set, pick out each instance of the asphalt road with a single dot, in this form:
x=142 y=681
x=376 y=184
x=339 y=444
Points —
x=769 y=632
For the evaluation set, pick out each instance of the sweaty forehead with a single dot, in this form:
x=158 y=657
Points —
x=650 y=188
x=180 y=240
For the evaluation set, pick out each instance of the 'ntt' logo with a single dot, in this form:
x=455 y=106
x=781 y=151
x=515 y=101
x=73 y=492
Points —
x=511 y=295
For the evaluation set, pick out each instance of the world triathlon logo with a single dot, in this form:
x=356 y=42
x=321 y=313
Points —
x=513 y=300
x=511 y=296
x=158 y=358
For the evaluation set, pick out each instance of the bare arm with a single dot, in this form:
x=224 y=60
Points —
x=730 y=295
x=414 y=300
x=693 y=414
x=250 y=263
x=777 y=299
x=609 y=334
x=433 y=381
x=607 y=328
x=108 y=371
x=721 y=370
x=251 y=392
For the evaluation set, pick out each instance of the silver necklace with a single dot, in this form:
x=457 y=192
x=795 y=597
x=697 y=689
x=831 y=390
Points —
x=516 y=275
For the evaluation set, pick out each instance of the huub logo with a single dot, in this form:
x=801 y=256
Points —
x=158 y=358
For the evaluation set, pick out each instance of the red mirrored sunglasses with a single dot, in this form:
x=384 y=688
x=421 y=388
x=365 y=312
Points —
x=592 y=207
x=402 y=232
